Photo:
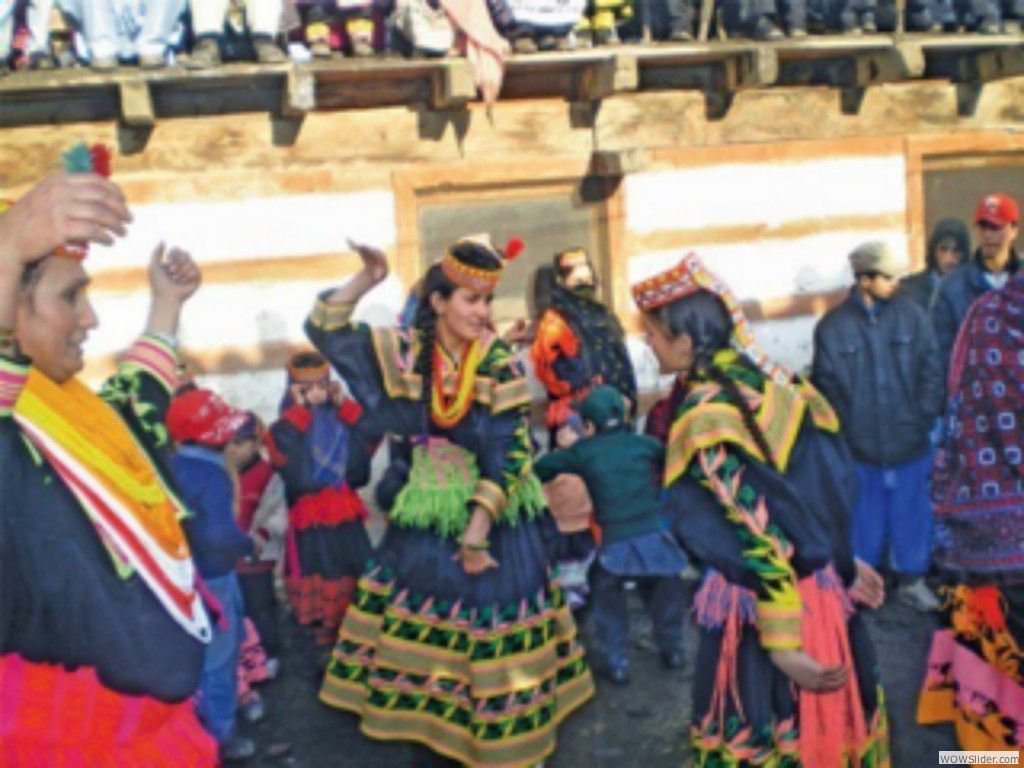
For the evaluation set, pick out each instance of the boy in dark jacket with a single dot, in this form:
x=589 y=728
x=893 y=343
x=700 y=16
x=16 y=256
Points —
x=948 y=247
x=202 y=424
x=876 y=360
x=618 y=468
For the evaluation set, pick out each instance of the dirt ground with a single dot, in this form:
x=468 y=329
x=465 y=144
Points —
x=641 y=725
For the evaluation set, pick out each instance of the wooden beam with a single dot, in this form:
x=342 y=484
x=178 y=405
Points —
x=136 y=104
x=299 y=95
x=975 y=65
x=452 y=85
x=604 y=77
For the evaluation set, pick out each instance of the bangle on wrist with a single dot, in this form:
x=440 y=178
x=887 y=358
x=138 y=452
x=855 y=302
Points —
x=476 y=546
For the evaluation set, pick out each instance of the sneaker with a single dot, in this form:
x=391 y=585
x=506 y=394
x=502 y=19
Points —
x=268 y=52
x=990 y=28
x=237 y=749
x=565 y=43
x=321 y=49
x=585 y=38
x=253 y=710
x=362 y=49
x=797 y=33
x=40 y=60
x=546 y=43
x=103 y=63
x=766 y=30
x=152 y=61
x=205 y=55
x=916 y=595
x=616 y=674
x=681 y=36
x=1011 y=27
x=868 y=24
x=673 y=659
x=273 y=668
x=524 y=45
x=607 y=37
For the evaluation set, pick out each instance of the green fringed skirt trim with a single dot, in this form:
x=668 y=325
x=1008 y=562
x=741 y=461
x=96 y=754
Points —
x=441 y=483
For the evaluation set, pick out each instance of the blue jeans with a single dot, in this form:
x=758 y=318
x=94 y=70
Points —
x=894 y=506
x=663 y=596
x=218 y=685
x=110 y=33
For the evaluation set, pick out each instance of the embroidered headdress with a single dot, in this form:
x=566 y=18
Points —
x=686 y=278
x=79 y=159
x=308 y=368
x=83 y=159
x=472 y=277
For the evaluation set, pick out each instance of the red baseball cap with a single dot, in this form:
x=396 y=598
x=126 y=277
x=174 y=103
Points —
x=201 y=416
x=998 y=209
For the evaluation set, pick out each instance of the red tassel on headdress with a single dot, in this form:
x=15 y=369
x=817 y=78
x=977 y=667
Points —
x=82 y=158
x=100 y=160
x=513 y=248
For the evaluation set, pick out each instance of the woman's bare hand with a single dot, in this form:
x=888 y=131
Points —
x=808 y=673
x=868 y=587
x=375 y=262
x=64 y=208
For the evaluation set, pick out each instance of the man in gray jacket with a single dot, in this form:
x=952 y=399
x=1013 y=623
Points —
x=876 y=360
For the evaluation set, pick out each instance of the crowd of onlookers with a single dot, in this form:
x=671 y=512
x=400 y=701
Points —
x=198 y=34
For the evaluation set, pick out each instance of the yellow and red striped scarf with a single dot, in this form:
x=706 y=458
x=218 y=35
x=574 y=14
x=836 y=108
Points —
x=134 y=512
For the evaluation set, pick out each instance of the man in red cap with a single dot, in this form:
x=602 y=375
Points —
x=995 y=260
x=202 y=424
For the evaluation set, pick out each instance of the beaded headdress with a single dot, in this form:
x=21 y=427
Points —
x=474 y=278
x=308 y=368
x=686 y=278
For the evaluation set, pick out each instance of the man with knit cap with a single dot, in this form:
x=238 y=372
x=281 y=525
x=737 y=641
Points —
x=994 y=262
x=876 y=360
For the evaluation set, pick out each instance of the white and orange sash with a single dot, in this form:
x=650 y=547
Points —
x=134 y=512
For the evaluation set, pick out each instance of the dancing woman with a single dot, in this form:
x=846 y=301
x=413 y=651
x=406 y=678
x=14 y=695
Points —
x=456 y=637
x=759 y=488
x=102 y=631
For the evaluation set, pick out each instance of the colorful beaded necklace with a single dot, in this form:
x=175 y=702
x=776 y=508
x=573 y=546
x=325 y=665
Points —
x=448 y=411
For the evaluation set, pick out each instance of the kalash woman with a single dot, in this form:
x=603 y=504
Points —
x=456 y=637
x=976 y=665
x=102 y=631
x=759 y=489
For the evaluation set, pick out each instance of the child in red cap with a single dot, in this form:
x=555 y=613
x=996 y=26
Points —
x=202 y=424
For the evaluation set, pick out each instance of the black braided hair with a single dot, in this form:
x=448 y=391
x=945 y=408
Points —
x=436 y=281
x=542 y=284
x=703 y=317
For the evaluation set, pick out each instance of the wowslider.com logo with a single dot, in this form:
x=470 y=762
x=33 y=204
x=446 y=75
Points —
x=981 y=757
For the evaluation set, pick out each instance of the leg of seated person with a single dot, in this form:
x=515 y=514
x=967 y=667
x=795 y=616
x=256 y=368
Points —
x=37 y=19
x=264 y=17
x=95 y=19
x=208 y=17
x=6 y=31
x=161 y=18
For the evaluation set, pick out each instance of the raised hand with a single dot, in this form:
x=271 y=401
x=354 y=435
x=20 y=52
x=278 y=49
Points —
x=808 y=673
x=173 y=275
x=375 y=262
x=65 y=208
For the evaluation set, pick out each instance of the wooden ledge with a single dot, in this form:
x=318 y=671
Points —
x=137 y=98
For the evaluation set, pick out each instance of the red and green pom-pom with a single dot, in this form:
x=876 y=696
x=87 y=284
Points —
x=82 y=158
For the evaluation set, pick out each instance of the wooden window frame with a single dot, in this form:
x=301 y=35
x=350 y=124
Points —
x=446 y=184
